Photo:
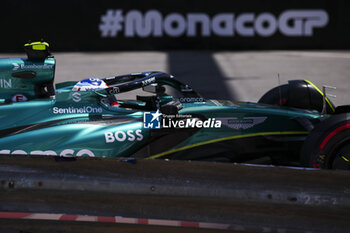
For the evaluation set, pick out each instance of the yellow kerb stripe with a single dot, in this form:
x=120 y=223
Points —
x=330 y=105
x=224 y=139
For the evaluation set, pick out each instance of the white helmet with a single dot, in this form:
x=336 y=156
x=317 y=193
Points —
x=90 y=84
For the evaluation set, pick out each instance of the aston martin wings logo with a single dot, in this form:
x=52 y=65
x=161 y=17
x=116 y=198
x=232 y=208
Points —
x=241 y=123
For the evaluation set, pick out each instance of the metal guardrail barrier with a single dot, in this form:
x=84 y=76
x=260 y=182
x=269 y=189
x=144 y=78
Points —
x=245 y=198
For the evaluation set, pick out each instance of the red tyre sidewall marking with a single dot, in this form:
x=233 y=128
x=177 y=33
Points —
x=332 y=134
x=327 y=139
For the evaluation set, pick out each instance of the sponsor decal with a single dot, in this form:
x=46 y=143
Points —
x=72 y=110
x=191 y=99
x=153 y=120
x=152 y=23
x=5 y=83
x=19 y=98
x=242 y=123
x=64 y=153
x=114 y=90
x=16 y=66
x=121 y=136
x=148 y=81
x=76 y=97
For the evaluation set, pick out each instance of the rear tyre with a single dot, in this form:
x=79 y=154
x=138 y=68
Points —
x=276 y=96
x=328 y=145
x=297 y=94
x=342 y=159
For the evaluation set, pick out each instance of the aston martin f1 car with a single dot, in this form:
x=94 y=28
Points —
x=293 y=124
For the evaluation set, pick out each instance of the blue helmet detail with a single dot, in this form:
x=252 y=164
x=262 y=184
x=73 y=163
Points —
x=90 y=84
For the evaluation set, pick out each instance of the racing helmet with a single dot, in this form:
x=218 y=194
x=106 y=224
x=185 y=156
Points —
x=90 y=84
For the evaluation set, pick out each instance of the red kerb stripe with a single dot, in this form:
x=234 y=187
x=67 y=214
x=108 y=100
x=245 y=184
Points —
x=105 y=219
x=13 y=215
x=189 y=224
x=68 y=217
x=142 y=221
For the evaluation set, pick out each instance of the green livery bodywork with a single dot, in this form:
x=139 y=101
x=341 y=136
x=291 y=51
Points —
x=59 y=121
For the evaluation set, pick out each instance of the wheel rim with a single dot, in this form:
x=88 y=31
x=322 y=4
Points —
x=342 y=158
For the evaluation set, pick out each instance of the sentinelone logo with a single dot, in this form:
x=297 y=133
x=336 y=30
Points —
x=153 y=120
x=290 y=23
x=70 y=110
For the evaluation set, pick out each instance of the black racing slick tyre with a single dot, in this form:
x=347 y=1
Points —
x=328 y=144
x=297 y=94
x=276 y=96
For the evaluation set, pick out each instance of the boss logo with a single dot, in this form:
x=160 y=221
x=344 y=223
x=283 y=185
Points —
x=121 y=136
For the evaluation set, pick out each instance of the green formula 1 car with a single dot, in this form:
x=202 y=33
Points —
x=87 y=118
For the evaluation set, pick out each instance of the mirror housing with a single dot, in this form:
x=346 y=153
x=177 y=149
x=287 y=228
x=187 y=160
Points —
x=154 y=88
